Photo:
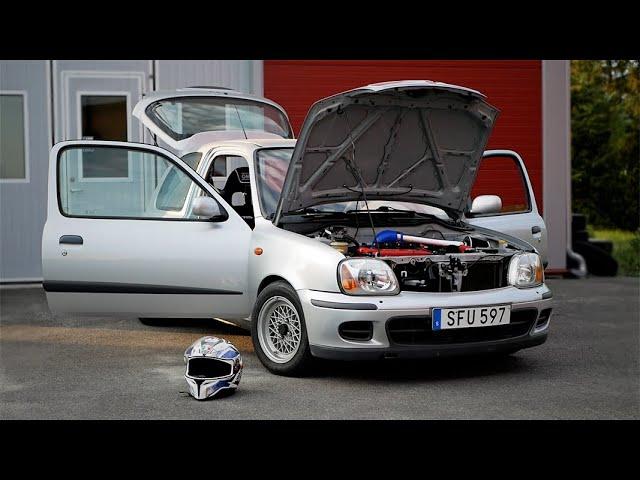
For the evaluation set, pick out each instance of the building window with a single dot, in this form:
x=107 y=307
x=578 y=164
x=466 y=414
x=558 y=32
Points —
x=104 y=117
x=13 y=138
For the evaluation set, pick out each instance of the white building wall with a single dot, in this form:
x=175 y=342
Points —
x=23 y=202
x=243 y=75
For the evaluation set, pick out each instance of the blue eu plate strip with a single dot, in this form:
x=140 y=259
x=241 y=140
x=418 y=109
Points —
x=435 y=322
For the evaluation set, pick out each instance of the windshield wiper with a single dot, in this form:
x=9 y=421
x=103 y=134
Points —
x=383 y=208
x=312 y=211
x=387 y=209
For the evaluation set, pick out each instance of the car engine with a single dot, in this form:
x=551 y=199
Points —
x=431 y=259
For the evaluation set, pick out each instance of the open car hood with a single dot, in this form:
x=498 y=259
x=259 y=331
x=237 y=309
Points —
x=188 y=118
x=414 y=141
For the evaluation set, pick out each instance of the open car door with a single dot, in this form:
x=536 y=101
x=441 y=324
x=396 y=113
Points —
x=163 y=244
x=502 y=173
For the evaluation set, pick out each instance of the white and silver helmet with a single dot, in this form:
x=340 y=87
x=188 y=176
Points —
x=212 y=365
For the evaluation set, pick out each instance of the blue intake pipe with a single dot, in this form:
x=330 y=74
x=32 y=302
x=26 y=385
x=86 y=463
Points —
x=390 y=236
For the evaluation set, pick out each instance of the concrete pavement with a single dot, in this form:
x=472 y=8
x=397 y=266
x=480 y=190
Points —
x=96 y=368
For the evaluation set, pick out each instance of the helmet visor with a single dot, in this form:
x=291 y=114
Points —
x=204 y=367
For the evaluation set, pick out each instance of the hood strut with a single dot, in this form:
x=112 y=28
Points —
x=388 y=148
x=353 y=168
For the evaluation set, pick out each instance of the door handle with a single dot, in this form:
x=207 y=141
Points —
x=71 y=240
x=536 y=229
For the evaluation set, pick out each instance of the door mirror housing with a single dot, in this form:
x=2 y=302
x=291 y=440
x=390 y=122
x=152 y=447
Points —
x=486 y=204
x=208 y=208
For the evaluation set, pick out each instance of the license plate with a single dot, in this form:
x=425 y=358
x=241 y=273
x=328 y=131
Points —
x=447 y=318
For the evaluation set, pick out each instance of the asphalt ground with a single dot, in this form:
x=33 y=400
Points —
x=118 y=368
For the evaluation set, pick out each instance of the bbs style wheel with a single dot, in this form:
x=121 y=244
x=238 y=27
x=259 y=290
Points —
x=278 y=331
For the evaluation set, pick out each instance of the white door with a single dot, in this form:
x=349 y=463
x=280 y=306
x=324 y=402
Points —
x=143 y=252
x=502 y=173
x=99 y=107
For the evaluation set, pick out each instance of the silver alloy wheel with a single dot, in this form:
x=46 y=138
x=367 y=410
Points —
x=279 y=329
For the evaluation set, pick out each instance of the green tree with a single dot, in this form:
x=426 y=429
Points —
x=605 y=129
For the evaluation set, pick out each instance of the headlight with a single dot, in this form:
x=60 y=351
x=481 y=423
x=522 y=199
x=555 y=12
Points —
x=365 y=276
x=525 y=270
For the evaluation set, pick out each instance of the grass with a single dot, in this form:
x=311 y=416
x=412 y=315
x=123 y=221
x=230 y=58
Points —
x=626 y=248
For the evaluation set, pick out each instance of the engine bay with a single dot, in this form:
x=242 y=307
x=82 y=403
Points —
x=427 y=257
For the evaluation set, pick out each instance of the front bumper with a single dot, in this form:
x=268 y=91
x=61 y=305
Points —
x=325 y=311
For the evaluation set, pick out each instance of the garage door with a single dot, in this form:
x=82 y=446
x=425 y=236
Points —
x=515 y=87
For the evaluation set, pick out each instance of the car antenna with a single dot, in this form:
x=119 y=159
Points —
x=241 y=125
x=153 y=136
x=356 y=174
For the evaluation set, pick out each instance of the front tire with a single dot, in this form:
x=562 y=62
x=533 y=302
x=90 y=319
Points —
x=279 y=332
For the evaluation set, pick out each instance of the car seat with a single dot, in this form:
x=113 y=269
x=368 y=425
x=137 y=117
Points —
x=238 y=182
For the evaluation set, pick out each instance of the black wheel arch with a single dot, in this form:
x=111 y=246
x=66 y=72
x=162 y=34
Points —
x=269 y=280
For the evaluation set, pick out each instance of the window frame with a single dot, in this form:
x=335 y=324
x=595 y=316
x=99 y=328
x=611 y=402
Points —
x=525 y=185
x=103 y=93
x=25 y=117
x=133 y=147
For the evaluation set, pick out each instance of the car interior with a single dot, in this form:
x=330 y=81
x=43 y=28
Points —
x=234 y=187
x=237 y=193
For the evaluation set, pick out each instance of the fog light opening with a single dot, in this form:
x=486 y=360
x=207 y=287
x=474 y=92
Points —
x=358 y=331
x=543 y=319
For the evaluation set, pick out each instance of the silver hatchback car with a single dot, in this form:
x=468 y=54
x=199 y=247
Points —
x=358 y=240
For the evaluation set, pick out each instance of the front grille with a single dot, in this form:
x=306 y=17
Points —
x=481 y=275
x=416 y=330
x=203 y=367
x=359 y=331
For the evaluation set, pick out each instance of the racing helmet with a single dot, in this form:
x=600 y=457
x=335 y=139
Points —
x=212 y=365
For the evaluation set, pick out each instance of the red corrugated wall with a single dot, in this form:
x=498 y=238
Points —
x=515 y=87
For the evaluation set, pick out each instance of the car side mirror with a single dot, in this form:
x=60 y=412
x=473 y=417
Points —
x=208 y=208
x=238 y=200
x=484 y=204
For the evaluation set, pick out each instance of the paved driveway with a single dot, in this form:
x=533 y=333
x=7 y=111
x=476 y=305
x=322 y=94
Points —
x=73 y=367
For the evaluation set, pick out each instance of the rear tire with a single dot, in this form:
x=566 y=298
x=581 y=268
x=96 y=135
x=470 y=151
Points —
x=279 y=332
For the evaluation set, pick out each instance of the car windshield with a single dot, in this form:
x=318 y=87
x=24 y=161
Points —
x=271 y=167
x=183 y=117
